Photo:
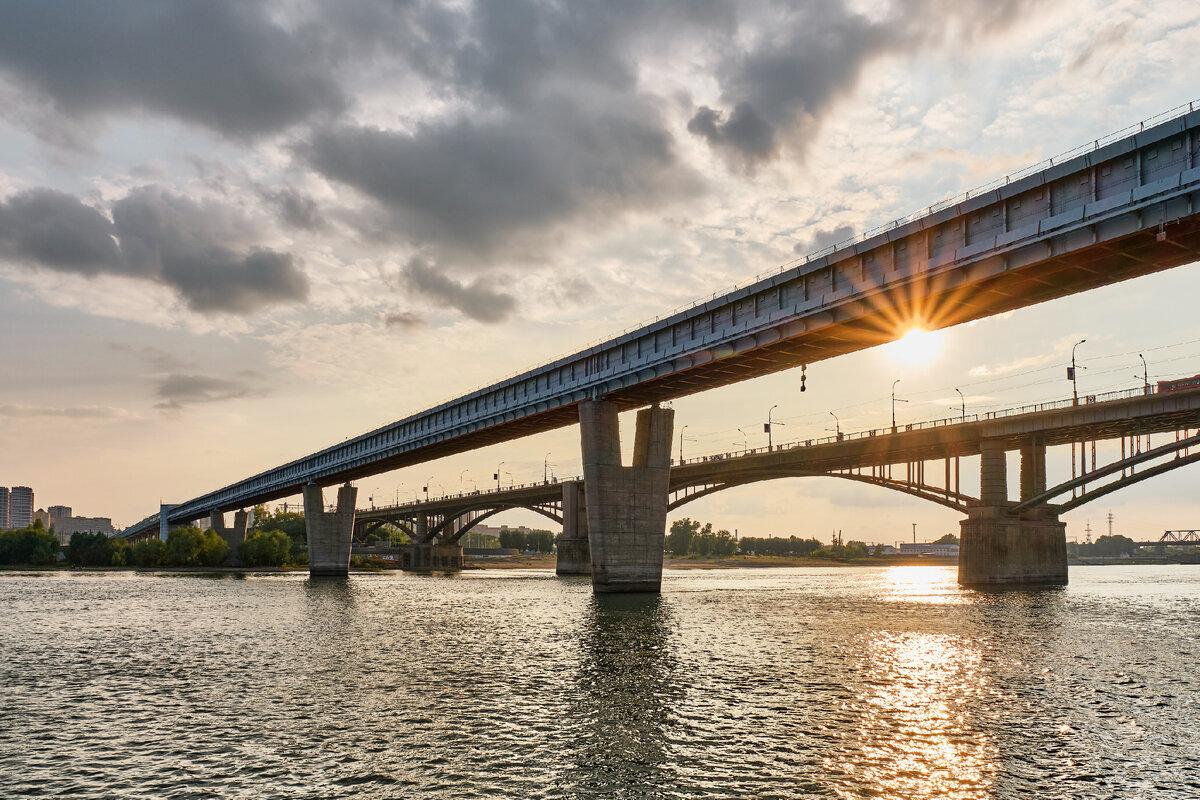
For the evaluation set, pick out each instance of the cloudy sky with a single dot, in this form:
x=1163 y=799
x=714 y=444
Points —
x=232 y=233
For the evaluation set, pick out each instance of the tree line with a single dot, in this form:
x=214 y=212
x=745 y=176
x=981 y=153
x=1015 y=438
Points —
x=688 y=537
x=531 y=541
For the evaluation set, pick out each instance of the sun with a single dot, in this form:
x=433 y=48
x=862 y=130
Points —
x=916 y=347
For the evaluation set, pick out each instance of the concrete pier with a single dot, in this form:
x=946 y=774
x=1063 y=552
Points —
x=626 y=506
x=329 y=532
x=233 y=536
x=574 y=553
x=1000 y=546
x=433 y=557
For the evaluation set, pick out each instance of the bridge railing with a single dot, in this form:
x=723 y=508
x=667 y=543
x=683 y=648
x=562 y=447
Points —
x=478 y=493
x=1052 y=405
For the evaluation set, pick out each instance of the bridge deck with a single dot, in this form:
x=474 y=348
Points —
x=1125 y=208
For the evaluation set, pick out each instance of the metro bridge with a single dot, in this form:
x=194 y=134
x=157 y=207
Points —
x=1119 y=208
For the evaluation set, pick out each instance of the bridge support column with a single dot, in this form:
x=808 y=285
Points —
x=329 y=532
x=574 y=554
x=626 y=506
x=233 y=536
x=1000 y=546
x=434 y=557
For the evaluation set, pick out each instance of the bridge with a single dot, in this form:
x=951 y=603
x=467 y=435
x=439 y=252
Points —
x=910 y=459
x=1118 y=208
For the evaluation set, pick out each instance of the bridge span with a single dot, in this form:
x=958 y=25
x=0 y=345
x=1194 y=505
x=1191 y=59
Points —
x=1116 y=209
x=921 y=459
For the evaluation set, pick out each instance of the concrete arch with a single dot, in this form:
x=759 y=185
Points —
x=944 y=497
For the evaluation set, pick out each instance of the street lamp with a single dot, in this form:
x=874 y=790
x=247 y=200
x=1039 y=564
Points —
x=460 y=479
x=371 y=499
x=837 y=425
x=964 y=404
x=768 y=426
x=398 y=485
x=1071 y=375
x=497 y=475
x=428 y=481
x=546 y=469
x=894 y=401
x=745 y=439
x=681 y=430
x=1145 y=374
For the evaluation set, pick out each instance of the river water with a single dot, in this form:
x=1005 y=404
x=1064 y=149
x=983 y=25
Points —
x=772 y=683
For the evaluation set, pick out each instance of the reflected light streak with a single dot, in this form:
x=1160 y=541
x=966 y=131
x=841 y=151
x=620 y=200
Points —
x=915 y=738
x=916 y=584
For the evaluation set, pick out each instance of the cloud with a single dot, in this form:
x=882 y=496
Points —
x=403 y=320
x=178 y=390
x=785 y=69
x=823 y=239
x=1104 y=44
x=224 y=65
x=154 y=235
x=479 y=184
x=156 y=358
x=296 y=208
x=476 y=300
x=20 y=411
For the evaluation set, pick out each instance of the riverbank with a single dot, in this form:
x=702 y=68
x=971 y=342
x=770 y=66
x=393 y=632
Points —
x=547 y=561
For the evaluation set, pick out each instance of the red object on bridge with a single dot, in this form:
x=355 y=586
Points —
x=1180 y=384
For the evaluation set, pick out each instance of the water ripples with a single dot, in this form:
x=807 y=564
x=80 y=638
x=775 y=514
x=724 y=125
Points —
x=834 y=683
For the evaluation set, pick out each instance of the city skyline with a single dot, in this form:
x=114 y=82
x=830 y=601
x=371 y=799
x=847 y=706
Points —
x=358 y=249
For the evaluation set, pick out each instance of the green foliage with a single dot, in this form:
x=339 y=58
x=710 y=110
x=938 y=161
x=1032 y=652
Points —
x=120 y=551
x=192 y=547
x=148 y=553
x=32 y=545
x=538 y=541
x=775 y=546
x=398 y=538
x=1108 y=547
x=90 y=550
x=679 y=537
x=265 y=549
x=949 y=538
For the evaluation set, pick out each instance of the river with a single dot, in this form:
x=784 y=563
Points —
x=770 y=683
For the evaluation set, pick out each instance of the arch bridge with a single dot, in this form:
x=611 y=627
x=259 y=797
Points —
x=922 y=460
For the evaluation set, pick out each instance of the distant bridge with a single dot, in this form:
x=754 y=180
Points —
x=906 y=461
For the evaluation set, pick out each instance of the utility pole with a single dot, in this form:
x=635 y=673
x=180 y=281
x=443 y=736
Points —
x=914 y=533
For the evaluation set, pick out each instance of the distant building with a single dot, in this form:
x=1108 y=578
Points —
x=4 y=509
x=20 y=507
x=43 y=517
x=65 y=526
x=56 y=515
x=929 y=549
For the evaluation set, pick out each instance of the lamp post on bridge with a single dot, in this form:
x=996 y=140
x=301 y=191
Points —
x=497 y=475
x=681 y=440
x=837 y=426
x=894 y=401
x=1145 y=375
x=546 y=469
x=1071 y=375
x=425 y=488
x=745 y=439
x=964 y=404
x=398 y=485
x=767 y=427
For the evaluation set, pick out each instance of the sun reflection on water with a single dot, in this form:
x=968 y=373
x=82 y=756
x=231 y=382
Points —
x=917 y=584
x=915 y=736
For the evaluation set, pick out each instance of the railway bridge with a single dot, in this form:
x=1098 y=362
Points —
x=1117 y=208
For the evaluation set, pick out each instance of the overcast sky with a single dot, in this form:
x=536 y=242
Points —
x=232 y=233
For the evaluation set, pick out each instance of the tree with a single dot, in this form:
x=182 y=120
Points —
x=949 y=538
x=679 y=537
x=192 y=547
x=265 y=549
x=148 y=553
x=1113 y=546
x=90 y=549
x=32 y=545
